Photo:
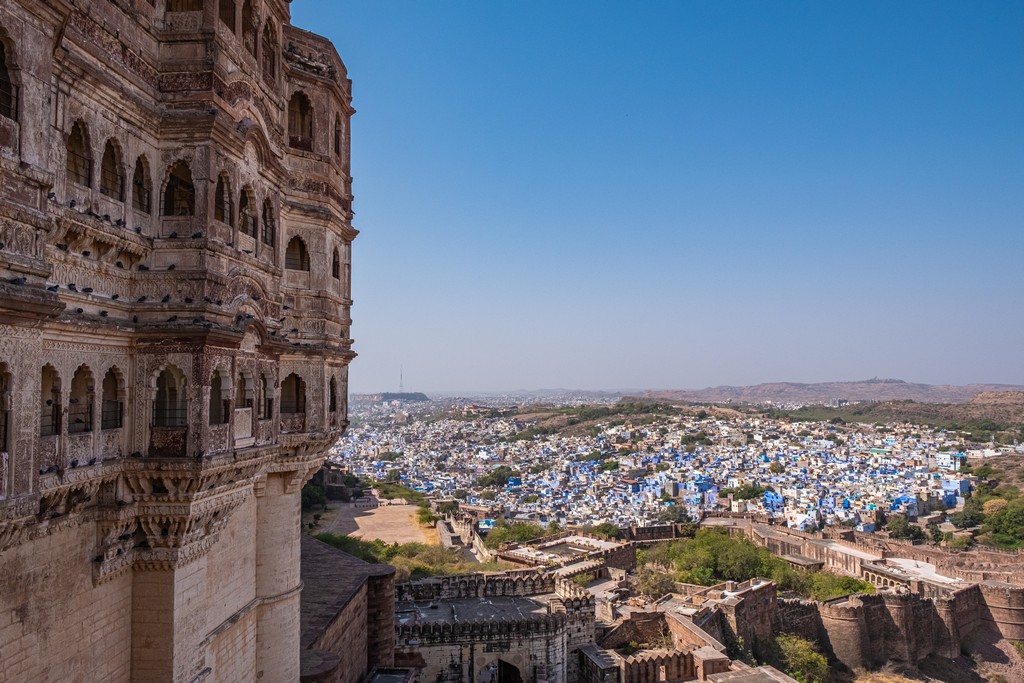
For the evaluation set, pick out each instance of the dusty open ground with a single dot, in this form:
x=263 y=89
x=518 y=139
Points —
x=389 y=523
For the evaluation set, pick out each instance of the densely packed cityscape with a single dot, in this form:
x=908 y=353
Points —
x=663 y=464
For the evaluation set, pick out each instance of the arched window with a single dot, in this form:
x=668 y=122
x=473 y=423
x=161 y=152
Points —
x=49 y=398
x=336 y=265
x=8 y=89
x=111 y=177
x=113 y=403
x=247 y=212
x=218 y=400
x=300 y=122
x=267 y=402
x=293 y=395
x=79 y=165
x=222 y=203
x=5 y=415
x=170 y=405
x=243 y=391
x=142 y=188
x=83 y=392
x=269 y=53
x=226 y=12
x=295 y=256
x=180 y=193
x=337 y=134
x=248 y=27
x=269 y=227
x=332 y=399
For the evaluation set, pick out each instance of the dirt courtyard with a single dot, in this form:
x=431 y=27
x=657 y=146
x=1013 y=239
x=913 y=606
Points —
x=389 y=523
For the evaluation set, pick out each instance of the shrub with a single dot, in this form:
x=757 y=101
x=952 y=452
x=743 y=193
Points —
x=798 y=658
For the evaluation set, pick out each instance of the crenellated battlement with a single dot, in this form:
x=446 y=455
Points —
x=520 y=583
x=483 y=629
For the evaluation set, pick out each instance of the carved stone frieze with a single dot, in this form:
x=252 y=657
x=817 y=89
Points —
x=22 y=239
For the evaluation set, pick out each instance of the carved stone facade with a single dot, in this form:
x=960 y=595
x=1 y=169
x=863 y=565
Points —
x=175 y=250
x=520 y=626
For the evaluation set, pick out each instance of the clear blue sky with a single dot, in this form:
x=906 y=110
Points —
x=675 y=194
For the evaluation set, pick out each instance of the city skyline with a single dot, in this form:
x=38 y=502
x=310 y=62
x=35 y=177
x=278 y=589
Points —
x=597 y=196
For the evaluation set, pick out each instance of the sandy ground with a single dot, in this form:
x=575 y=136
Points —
x=389 y=523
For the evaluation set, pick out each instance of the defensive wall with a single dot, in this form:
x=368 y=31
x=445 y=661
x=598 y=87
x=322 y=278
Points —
x=541 y=645
x=678 y=651
x=999 y=598
x=890 y=627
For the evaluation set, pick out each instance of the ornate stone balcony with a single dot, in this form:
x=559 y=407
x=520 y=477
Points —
x=293 y=422
x=168 y=442
x=243 y=428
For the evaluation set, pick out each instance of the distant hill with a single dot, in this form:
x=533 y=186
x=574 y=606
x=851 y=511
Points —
x=868 y=390
x=1000 y=412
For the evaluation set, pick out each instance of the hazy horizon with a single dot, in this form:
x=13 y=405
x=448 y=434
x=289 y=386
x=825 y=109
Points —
x=683 y=195
x=629 y=390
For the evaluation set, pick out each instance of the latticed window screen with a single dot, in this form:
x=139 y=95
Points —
x=295 y=256
x=141 y=188
x=300 y=122
x=80 y=416
x=269 y=54
x=293 y=395
x=169 y=406
x=269 y=228
x=180 y=193
x=184 y=5
x=79 y=166
x=222 y=207
x=247 y=213
x=226 y=12
x=111 y=179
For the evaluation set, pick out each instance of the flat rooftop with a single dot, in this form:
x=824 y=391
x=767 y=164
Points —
x=921 y=570
x=330 y=578
x=570 y=546
x=456 y=610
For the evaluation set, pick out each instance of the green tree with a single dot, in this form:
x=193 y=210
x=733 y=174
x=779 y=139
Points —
x=824 y=586
x=519 y=532
x=675 y=514
x=746 y=492
x=313 y=494
x=898 y=527
x=1006 y=526
x=605 y=530
x=448 y=507
x=798 y=658
x=971 y=515
x=426 y=516
x=653 y=583
x=776 y=468
x=499 y=477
